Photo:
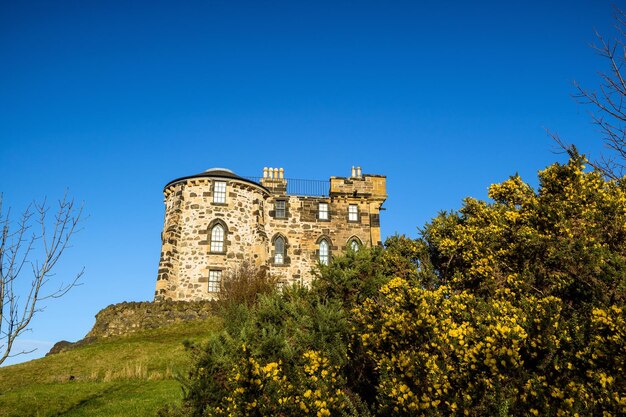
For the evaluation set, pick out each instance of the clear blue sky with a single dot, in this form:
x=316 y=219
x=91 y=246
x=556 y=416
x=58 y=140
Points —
x=114 y=99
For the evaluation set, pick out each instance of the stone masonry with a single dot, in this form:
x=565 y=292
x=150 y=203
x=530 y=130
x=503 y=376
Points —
x=216 y=220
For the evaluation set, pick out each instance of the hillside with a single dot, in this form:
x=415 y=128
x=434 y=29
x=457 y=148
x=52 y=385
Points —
x=116 y=376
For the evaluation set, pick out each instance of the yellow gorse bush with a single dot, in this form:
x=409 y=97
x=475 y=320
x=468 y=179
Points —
x=511 y=307
x=256 y=389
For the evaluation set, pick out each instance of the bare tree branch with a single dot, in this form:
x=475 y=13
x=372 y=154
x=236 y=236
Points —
x=21 y=294
x=608 y=101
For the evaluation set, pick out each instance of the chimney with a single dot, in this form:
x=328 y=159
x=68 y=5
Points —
x=274 y=180
x=353 y=172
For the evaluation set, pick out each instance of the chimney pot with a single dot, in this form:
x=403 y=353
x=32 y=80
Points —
x=353 y=172
x=281 y=173
x=264 y=172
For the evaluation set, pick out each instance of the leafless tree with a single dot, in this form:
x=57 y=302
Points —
x=29 y=250
x=608 y=101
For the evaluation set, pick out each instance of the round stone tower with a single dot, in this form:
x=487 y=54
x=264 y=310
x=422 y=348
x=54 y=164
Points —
x=213 y=221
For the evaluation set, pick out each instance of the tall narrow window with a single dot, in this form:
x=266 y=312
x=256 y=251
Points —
x=354 y=245
x=279 y=251
x=324 y=249
x=215 y=280
x=217 y=238
x=323 y=211
x=281 y=211
x=219 y=192
x=353 y=213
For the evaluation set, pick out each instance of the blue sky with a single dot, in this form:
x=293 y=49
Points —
x=112 y=100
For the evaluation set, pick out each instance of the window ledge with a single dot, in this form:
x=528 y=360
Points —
x=284 y=264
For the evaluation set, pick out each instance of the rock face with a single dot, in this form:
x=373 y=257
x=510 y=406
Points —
x=216 y=220
x=129 y=317
x=60 y=346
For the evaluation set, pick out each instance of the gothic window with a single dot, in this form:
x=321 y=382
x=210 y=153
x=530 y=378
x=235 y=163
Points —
x=217 y=238
x=353 y=213
x=279 y=250
x=354 y=245
x=323 y=211
x=324 y=252
x=281 y=210
x=219 y=192
x=215 y=280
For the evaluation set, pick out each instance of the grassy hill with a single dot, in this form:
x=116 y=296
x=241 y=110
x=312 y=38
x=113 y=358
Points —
x=118 y=376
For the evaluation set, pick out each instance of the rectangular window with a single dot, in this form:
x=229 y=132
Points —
x=215 y=280
x=353 y=213
x=219 y=192
x=323 y=211
x=281 y=211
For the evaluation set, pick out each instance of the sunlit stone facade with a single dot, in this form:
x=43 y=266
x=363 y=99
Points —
x=216 y=220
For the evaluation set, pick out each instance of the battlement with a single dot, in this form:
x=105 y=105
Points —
x=359 y=185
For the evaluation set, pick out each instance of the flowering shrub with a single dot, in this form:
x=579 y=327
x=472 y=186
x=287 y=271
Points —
x=527 y=314
x=313 y=389
x=509 y=307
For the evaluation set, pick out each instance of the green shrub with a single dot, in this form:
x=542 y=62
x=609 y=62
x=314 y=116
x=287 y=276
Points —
x=283 y=355
x=509 y=307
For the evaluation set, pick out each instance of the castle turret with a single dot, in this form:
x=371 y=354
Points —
x=214 y=221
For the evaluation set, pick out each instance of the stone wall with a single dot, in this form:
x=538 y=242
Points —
x=303 y=232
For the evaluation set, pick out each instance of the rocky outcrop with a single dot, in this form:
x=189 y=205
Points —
x=130 y=317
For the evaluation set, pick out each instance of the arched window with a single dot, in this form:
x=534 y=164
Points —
x=217 y=238
x=279 y=250
x=354 y=245
x=324 y=252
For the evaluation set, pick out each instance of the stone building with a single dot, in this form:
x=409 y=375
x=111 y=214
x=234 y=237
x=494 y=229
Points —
x=216 y=220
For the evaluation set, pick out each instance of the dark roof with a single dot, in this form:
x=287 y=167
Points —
x=216 y=173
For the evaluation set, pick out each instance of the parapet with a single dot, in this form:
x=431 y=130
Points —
x=359 y=185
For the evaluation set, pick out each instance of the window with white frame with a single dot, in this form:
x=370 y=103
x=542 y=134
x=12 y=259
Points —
x=219 y=192
x=280 y=209
x=217 y=238
x=324 y=252
x=353 y=213
x=323 y=211
x=215 y=280
x=279 y=251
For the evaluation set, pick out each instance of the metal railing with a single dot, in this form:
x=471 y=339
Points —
x=309 y=188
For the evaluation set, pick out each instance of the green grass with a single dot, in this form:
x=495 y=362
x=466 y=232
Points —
x=125 y=376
